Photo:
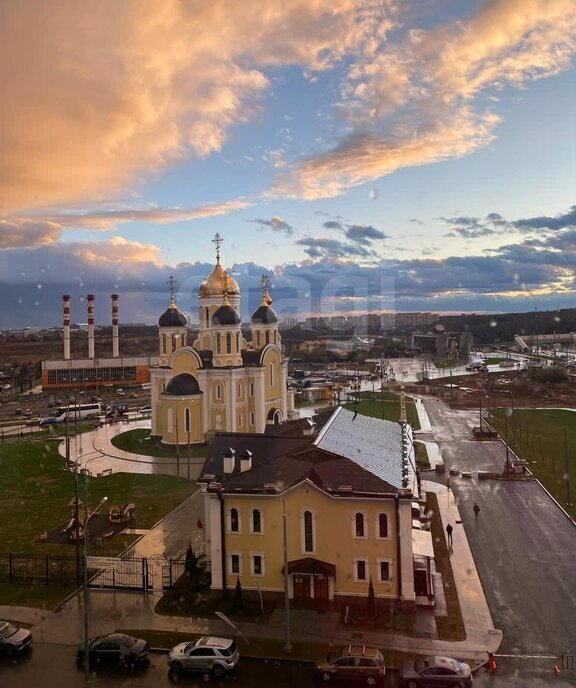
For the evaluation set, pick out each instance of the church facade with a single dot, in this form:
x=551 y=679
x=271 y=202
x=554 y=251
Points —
x=220 y=381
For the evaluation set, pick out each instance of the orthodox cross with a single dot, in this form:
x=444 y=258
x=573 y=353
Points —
x=217 y=241
x=172 y=282
x=265 y=282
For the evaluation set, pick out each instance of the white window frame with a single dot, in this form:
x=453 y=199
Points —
x=355 y=570
x=384 y=560
x=230 y=571
x=365 y=520
x=252 y=531
x=229 y=521
x=262 y=564
x=303 y=530
x=377 y=526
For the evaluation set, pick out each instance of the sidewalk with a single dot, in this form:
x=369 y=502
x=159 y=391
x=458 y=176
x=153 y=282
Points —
x=96 y=449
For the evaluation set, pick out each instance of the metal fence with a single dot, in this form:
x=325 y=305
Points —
x=137 y=573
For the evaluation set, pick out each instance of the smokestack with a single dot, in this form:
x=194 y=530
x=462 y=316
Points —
x=66 y=323
x=115 y=346
x=90 y=325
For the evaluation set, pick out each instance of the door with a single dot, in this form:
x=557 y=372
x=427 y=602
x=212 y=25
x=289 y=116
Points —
x=301 y=586
x=321 y=588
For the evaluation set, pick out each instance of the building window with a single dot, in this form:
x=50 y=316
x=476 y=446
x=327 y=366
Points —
x=240 y=419
x=237 y=342
x=234 y=520
x=360 y=570
x=207 y=316
x=308 y=531
x=382 y=526
x=275 y=337
x=235 y=564
x=384 y=570
x=218 y=390
x=271 y=373
x=267 y=337
x=218 y=345
x=174 y=342
x=228 y=343
x=251 y=389
x=258 y=338
x=251 y=417
x=359 y=525
x=257 y=564
x=240 y=390
x=256 y=521
x=187 y=425
x=163 y=343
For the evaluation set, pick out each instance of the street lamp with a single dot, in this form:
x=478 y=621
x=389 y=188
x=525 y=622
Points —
x=85 y=591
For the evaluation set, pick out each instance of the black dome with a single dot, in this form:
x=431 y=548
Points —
x=264 y=315
x=172 y=317
x=226 y=315
x=182 y=385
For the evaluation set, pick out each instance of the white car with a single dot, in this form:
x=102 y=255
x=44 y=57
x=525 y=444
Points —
x=210 y=655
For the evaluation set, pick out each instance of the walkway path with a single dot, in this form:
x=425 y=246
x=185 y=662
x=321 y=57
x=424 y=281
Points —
x=95 y=451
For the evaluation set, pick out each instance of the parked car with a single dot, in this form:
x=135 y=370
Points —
x=355 y=662
x=45 y=422
x=435 y=671
x=120 y=392
x=146 y=409
x=13 y=640
x=115 y=648
x=218 y=656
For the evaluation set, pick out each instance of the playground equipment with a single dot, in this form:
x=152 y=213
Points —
x=122 y=514
x=75 y=526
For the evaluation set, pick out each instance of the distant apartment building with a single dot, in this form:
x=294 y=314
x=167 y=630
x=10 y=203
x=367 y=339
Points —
x=416 y=319
x=443 y=344
x=339 y=322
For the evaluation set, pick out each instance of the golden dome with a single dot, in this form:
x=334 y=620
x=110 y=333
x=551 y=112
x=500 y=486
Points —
x=218 y=283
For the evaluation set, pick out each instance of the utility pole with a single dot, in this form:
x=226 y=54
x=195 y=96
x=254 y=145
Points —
x=567 y=468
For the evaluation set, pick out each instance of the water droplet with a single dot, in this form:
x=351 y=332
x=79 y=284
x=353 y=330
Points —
x=39 y=286
x=493 y=323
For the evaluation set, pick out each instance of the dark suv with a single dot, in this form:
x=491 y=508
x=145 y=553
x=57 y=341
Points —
x=355 y=662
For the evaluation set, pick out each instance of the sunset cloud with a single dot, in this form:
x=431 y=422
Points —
x=427 y=99
x=98 y=96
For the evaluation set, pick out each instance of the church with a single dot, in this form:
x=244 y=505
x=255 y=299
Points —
x=221 y=382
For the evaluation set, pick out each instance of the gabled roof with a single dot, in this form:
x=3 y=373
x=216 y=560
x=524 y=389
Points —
x=369 y=442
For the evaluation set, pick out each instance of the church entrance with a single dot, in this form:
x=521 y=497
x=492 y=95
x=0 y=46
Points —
x=302 y=587
x=274 y=417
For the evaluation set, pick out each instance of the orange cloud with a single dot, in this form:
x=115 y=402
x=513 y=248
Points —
x=116 y=250
x=418 y=102
x=97 y=96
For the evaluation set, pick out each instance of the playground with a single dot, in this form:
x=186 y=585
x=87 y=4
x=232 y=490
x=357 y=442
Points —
x=36 y=492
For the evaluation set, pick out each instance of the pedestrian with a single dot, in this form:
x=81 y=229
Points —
x=449 y=530
x=448 y=483
x=476 y=510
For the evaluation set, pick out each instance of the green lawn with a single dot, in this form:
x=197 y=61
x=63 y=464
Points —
x=452 y=363
x=35 y=492
x=385 y=405
x=537 y=435
x=139 y=442
x=41 y=596
x=421 y=453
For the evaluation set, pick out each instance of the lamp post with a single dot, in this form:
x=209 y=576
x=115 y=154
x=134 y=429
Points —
x=287 y=642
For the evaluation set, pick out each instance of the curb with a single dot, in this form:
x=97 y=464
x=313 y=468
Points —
x=287 y=660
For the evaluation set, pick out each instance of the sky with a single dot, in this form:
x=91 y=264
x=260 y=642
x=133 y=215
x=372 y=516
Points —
x=368 y=156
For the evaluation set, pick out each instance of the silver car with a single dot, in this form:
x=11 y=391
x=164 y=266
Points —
x=436 y=671
x=13 y=640
x=217 y=656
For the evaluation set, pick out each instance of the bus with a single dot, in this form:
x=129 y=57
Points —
x=73 y=412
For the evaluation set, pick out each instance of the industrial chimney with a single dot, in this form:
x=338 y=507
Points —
x=90 y=298
x=66 y=323
x=115 y=345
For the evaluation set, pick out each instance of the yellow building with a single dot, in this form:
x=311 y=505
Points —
x=338 y=497
x=221 y=381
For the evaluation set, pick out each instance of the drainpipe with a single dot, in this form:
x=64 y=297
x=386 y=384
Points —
x=222 y=543
x=398 y=547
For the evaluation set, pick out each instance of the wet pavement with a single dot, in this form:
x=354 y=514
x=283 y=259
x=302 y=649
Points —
x=524 y=546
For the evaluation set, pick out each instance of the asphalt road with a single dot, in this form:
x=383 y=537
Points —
x=53 y=666
x=524 y=547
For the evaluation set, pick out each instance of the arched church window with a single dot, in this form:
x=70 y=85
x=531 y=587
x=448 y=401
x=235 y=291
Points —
x=218 y=390
x=267 y=337
x=187 y=426
x=218 y=342
x=207 y=316
x=163 y=343
x=174 y=342
x=237 y=342
x=228 y=343
x=258 y=338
